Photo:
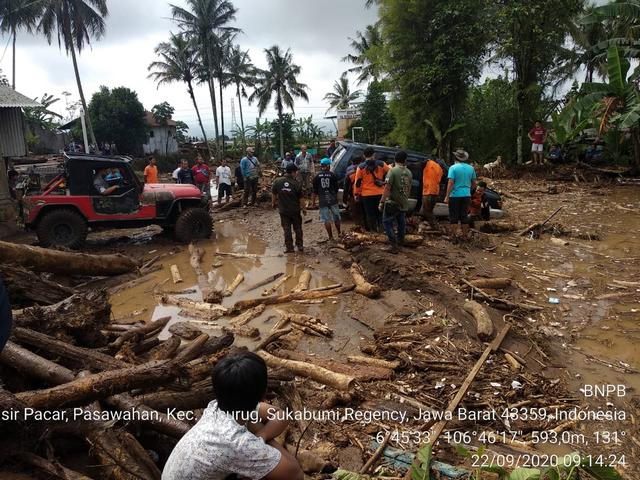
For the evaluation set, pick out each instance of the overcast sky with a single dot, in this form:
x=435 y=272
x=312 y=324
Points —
x=317 y=33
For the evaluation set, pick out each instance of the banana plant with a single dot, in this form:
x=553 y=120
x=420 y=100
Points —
x=442 y=138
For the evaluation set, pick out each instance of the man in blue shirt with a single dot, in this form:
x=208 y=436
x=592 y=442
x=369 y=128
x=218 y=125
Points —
x=5 y=316
x=462 y=179
x=251 y=174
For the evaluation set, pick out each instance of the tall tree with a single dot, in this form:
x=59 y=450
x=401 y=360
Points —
x=75 y=23
x=241 y=73
x=342 y=96
x=178 y=64
x=433 y=50
x=222 y=46
x=531 y=36
x=279 y=80
x=376 y=119
x=17 y=14
x=366 y=54
x=119 y=116
x=162 y=113
x=205 y=21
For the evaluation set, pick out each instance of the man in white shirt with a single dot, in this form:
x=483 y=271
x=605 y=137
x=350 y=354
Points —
x=223 y=180
x=236 y=432
x=174 y=174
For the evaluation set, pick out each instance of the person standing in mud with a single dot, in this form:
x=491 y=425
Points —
x=306 y=169
x=369 y=186
x=201 y=175
x=538 y=135
x=223 y=180
x=431 y=176
x=288 y=197
x=394 y=203
x=325 y=187
x=185 y=174
x=6 y=320
x=250 y=167
x=462 y=179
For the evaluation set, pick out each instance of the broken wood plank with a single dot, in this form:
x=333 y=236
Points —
x=175 y=274
x=276 y=286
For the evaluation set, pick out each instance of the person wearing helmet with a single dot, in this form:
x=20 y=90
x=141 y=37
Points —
x=325 y=188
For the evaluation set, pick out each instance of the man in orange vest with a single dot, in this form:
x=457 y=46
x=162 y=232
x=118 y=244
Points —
x=431 y=176
x=369 y=187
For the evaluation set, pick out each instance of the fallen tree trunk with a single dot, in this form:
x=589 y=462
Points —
x=50 y=468
x=31 y=365
x=363 y=287
x=192 y=350
x=310 y=323
x=303 y=282
x=189 y=400
x=66 y=263
x=247 y=316
x=273 y=336
x=27 y=288
x=264 y=282
x=271 y=290
x=495 y=283
x=242 y=331
x=84 y=356
x=140 y=333
x=100 y=385
x=166 y=349
x=209 y=311
x=484 y=325
x=321 y=375
x=215 y=344
x=232 y=288
x=356 y=238
x=289 y=297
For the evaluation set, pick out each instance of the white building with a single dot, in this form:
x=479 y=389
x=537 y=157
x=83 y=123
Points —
x=162 y=139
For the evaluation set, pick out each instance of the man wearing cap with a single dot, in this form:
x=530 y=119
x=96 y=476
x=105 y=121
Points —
x=250 y=168
x=325 y=187
x=462 y=179
x=287 y=196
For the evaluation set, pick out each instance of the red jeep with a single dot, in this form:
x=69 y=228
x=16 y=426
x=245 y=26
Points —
x=62 y=212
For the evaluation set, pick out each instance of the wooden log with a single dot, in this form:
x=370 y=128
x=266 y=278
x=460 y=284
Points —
x=242 y=331
x=31 y=365
x=87 y=357
x=185 y=330
x=325 y=287
x=321 y=375
x=357 y=238
x=175 y=274
x=289 y=297
x=247 y=316
x=363 y=287
x=273 y=336
x=195 y=260
x=166 y=349
x=211 y=295
x=376 y=362
x=271 y=290
x=484 y=325
x=210 y=311
x=495 y=283
x=538 y=226
x=159 y=421
x=231 y=288
x=216 y=344
x=314 y=324
x=121 y=455
x=501 y=302
x=303 y=282
x=192 y=350
x=139 y=333
x=53 y=469
x=101 y=385
x=67 y=263
x=27 y=288
x=189 y=400
x=262 y=283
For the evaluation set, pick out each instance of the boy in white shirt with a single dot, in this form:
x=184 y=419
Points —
x=223 y=180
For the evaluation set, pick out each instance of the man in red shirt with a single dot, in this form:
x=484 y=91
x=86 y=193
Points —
x=538 y=135
x=201 y=175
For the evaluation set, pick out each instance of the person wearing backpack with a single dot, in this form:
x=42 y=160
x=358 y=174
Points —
x=369 y=187
x=250 y=167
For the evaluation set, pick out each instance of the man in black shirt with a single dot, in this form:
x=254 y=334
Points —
x=185 y=174
x=325 y=187
x=287 y=196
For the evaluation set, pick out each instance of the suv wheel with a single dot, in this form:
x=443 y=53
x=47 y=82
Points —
x=62 y=228
x=193 y=224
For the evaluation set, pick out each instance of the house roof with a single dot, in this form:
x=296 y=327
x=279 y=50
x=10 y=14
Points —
x=9 y=98
x=152 y=122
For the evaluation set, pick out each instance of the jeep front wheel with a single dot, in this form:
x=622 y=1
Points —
x=62 y=228
x=193 y=224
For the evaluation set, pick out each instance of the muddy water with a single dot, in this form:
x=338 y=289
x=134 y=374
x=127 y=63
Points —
x=140 y=304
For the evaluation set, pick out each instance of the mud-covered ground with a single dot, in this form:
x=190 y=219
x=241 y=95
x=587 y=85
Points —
x=583 y=273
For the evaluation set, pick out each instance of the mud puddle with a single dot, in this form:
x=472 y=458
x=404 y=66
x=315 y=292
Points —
x=141 y=303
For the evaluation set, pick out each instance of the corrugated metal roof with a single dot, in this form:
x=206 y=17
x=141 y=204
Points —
x=12 y=143
x=9 y=98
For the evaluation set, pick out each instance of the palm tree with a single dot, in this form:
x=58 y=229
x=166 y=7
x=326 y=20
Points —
x=221 y=50
x=241 y=73
x=278 y=79
x=365 y=47
x=18 y=14
x=342 y=96
x=205 y=21
x=75 y=22
x=177 y=64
